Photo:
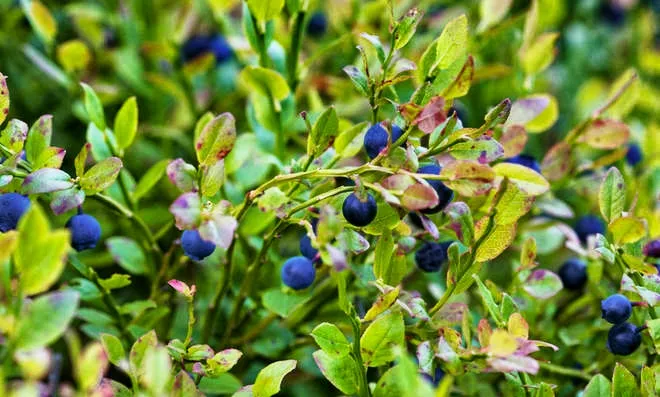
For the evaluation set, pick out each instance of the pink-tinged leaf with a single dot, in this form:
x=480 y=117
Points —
x=67 y=200
x=413 y=304
x=452 y=313
x=39 y=137
x=101 y=176
x=513 y=140
x=648 y=295
x=527 y=109
x=468 y=178
x=605 y=134
x=398 y=182
x=387 y=194
x=461 y=221
x=526 y=347
x=14 y=135
x=219 y=229
x=51 y=157
x=483 y=149
x=515 y=363
x=543 y=284
x=432 y=115
x=46 y=180
x=425 y=357
x=182 y=288
x=419 y=197
x=186 y=210
x=182 y=175
x=4 y=98
x=557 y=161
x=216 y=139
x=337 y=258
x=430 y=226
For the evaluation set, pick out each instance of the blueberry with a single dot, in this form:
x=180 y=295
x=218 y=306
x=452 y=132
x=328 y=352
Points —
x=431 y=256
x=573 y=274
x=307 y=249
x=445 y=194
x=588 y=225
x=298 y=272
x=616 y=309
x=318 y=24
x=612 y=13
x=375 y=140
x=623 y=339
x=110 y=38
x=359 y=213
x=12 y=208
x=220 y=49
x=525 y=160
x=652 y=249
x=634 y=154
x=198 y=45
x=194 y=246
x=436 y=378
x=85 y=231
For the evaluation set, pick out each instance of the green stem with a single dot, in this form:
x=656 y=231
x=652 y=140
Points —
x=294 y=52
x=191 y=321
x=556 y=369
x=357 y=355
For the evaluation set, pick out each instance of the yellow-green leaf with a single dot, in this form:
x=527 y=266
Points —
x=540 y=54
x=73 y=55
x=126 y=123
x=4 y=98
x=627 y=230
x=529 y=181
x=624 y=94
x=265 y=10
x=41 y=19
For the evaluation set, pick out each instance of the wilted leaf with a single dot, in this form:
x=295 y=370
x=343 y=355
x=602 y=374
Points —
x=216 y=139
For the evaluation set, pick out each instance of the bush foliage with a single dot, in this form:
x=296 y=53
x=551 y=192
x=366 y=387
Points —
x=296 y=197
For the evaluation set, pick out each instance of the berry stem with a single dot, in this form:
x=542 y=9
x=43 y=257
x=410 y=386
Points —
x=557 y=369
x=294 y=51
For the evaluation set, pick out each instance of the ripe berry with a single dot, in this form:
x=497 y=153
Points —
x=588 y=225
x=194 y=246
x=318 y=24
x=375 y=140
x=307 y=249
x=623 y=339
x=435 y=380
x=12 y=208
x=525 y=160
x=612 y=13
x=85 y=231
x=359 y=213
x=198 y=45
x=220 y=49
x=616 y=309
x=634 y=154
x=298 y=272
x=573 y=274
x=431 y=256
x=445 y=194
x=652 y=249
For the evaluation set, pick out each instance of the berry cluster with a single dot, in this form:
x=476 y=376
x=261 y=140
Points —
x=623 y=338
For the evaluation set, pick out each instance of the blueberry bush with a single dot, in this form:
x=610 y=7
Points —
x=296 y=197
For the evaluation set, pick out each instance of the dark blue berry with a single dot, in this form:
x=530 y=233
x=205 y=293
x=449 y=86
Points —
x=527 y=161
x=194 y=246
x=298 y=272
x=616 y=309
x=573 y=274
x=623 y=339
x=357 y=212
x=634 y=154
x=431 y=256
x=612 y=13
x=375 y=140
x=652 y=249
x=12 y=208
x=85 y=231
x=589 y=225
x=445 y=194
x=220 y=49
x=198 y=45
x=318 y=24
x=307 y=249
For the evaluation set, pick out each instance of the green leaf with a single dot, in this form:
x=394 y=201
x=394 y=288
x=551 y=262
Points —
x=265 y=10
x=384 y=302
x=461 y=84
x=627 y=230
x=128 y=254
x=358 y=78
x=331 y=340
x=270 y=378
x=126 y=123
x=342 y=372
x=46 y=180
x=499 y=239
x=91 y=366
x=216 y=139
x=101 y=176
x=540 y=54
x=213 y=176
x=482 y=149
x=386 y=219
x=66 y=200
x=527 y=180
x=528 y=253
x=605 y=134
x=222 y=361
x=623 y=382
x=647 y=382
x=383 y=256
x=73 y=55
x=468 y=178
x=542 y=284
x=94 y=107
x=183 y=175
x=114 y=349
x=612 y=195
x=39 y=138
x=624 y=94
x=405 y=28
x=4 y=98
x=324 y=130
x=536 y=112
x=45 y=319
x=379 y=339
x=16 y=131
x=138 y=351
x=150 y=179
x=115 y=281
x=223 y=384
x=184 y=386
x=488 y=300
x=350 y=142
x=492 y=12
x=266 y=82
x=280 y=302
x=157 y=368
x=461 y=218
x=81 y=159
x=41 y=20
x=446 y=49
